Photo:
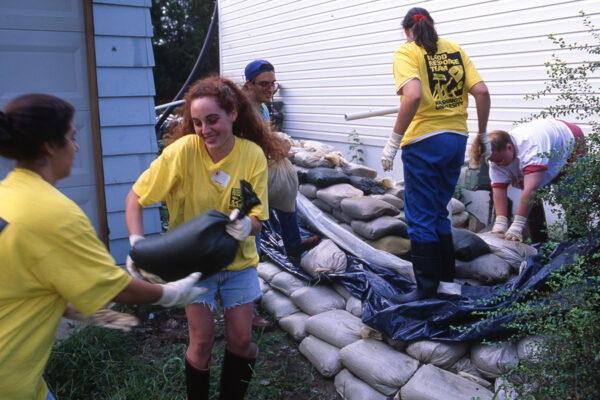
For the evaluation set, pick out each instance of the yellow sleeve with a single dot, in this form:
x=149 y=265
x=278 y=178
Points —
x=259 y=182
x=157 y=181
x=472 y=76
x=405 y=67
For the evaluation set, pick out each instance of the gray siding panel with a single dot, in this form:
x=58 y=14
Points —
x=114 y=51
x=127 y=21
x=125 y=82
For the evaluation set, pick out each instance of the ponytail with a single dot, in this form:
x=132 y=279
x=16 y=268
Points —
x=420 y=23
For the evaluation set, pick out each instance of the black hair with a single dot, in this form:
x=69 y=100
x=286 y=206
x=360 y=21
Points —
x=29 y=121
x=422 y=29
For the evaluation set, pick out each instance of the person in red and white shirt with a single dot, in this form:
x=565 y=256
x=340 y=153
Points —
x=528 y=157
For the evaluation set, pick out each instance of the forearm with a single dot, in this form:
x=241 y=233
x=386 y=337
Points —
x=408 y=107
x=500 y=201
x=482 y=103
x=256 y=225
x=531 y=183
x=139 y=292
x=133 y=214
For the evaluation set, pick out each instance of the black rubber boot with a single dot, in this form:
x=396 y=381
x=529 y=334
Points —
x=197 y=382
x=235 y=376
x=427 y=267
x=448 y=262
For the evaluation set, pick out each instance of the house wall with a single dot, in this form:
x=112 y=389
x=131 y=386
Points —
x=335 y=57
x=124 y=61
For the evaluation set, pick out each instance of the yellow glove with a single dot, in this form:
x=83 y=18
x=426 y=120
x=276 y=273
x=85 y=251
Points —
x=389 y=151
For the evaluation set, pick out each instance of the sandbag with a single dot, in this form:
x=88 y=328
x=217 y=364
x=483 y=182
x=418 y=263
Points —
x=442 y=354
x=336 y=327
x=456 y=206
x=321 y=205
x=342 y=291
x=308 y=190
x=200 y=244
x=324 y=177
x=433 y=383
x=488 y=268
x=287 y=283
x=494 y=360
x=311 y=159
x=323 y=356
x=314 y=300
x=278 y=304
x=530 y=348
x=468 y=245
x=397 y=191
x=340 y=216
x=302 y=174
x=264 y=286
x=282 y=186
x=392 y=244
x=353 y=169
x=267 y=270
x=351 y=388
x=313 y=145
x=376 y=363
x=367 y=185
x=295 y=325
x=367 y=208
x=390 y=198
x=512 y=252
x=354 y=306
x=334 y=194
x=324 y=258
x=504 y=390
x=459 y=220
x=379 y=227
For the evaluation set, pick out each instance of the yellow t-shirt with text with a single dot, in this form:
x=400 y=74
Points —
x=446 y=78
x=185 y=175
x=50 y=256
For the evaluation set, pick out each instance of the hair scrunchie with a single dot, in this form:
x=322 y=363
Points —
x=418 y=17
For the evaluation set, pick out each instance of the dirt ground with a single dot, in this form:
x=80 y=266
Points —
x=282 y=372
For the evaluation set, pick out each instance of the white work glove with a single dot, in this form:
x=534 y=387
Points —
x=389 y=151
x=484 y=142
x=239 y=229
x=139 y=273
x=182 y=292
x=500 y=224
x=515 y=232
x=104 y=318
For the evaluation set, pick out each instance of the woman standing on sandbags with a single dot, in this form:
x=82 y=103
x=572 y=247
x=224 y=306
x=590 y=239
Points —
x=52 y=262
x=201 y=172
x=433 y=77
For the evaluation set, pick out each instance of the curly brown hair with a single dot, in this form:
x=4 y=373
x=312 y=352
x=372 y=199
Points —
x=248 y=125
x=498 y=140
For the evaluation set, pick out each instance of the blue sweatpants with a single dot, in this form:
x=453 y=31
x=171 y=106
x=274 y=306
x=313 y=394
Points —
x=431 y=170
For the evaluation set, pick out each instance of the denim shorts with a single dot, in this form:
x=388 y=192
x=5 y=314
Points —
x=234 y=288
x=49 y=396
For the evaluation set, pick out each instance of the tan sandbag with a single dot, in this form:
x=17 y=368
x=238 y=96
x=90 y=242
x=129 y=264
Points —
x=336 y=327
x=341 y=290
x=442 y=354
x=295 y=325
x=504 y=390
x=433 y=383
x=311 y=159
x=456 y=206
x=512 y=252
x=340 y=216
x=325 y=258
x=377 y=364
x=323 y=356
x=530 y=348
x=465 y=368
x=313 y=145
x=392 y=244
x=390 y=198
x=267 y=270
x=494 y=360
x=367 y=208
x=309 y=190
x=287 y=283
x=351 y=388
x=321 y=205
x=354 y=306
x=334 y=194
x=264 y=286
x=459 y=220
x=278 y=304
x=282 y=186
x=353 y=169
x=488 y=268
x=380 y=227
x=397 y=191
x=314 y=300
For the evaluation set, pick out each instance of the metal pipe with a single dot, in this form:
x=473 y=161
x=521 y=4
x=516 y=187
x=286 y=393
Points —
x=367 y=114
x=173 y=103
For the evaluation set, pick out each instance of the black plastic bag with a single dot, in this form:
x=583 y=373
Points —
x=199 y=245
x=323 y=177
x=467 y=245
x=367 y=185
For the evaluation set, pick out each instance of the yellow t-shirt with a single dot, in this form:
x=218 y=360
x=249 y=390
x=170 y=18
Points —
x=446 y=78
x=50 y=256
x=185 y=175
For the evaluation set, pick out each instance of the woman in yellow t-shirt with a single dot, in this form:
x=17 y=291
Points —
x=434 y=78
x=52 y=262
x=201 y=172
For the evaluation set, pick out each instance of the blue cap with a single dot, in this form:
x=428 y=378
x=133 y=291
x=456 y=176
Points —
x=257 y=67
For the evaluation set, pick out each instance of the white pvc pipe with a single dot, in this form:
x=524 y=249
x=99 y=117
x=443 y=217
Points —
x=367 y=114
x=173 y=103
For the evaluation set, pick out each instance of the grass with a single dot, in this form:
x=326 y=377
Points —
x=148 y=363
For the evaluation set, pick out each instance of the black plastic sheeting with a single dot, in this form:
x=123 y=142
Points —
x=432 y=318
